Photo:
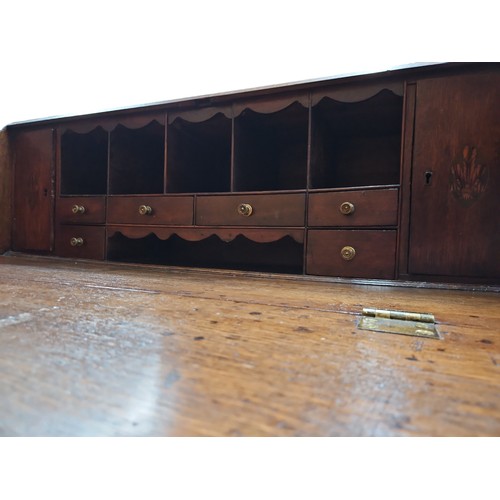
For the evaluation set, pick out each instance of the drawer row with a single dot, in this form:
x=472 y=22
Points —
x=362 y=253
x=376 y=207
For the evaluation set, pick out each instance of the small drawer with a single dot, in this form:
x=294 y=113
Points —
x=81 y=242
x=81 y=210
x=373 y=207
x=251 y=210
x=142 y=210
x=351 y=254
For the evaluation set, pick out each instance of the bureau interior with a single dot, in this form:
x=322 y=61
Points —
x=352 y=144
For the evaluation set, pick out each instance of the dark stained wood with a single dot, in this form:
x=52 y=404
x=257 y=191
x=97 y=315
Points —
x=5 y=193
x=374 y=258
x=268 y=210
x=405 y=187
x=356 y=144
x=455 y=223
x=93 y=349
x=199 y=155
x=82 y=162
x=165 y=210
x=94 y=242
x=137 y=159
x=271 y=149
x=95 y=210
x=378 y=207
x=33 y=190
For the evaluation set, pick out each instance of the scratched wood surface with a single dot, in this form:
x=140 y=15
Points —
x=94 y=349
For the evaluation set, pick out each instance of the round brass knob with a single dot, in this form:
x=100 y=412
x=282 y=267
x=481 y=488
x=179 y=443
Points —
x=245 y=209
x=348 y=253
x=76 y=242
x=145 y=210
x=78 y=209
x=347 y=208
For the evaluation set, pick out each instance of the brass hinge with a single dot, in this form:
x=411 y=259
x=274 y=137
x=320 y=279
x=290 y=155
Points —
x=401 y=322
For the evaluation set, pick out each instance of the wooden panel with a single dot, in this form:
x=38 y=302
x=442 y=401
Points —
x=93 y=246
x=5 y=193
x=94 y=206
x=33 y=191
x=267 y=210
x=374 y=258
x=376 y=207
x=405 y=186
x=164 y=210
x=455 y=224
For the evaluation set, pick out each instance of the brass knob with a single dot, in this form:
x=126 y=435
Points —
x=347 y=208
x=78 y=209
x=348 y=253
x=76 y=242
x=145 y=210
x=245 y=209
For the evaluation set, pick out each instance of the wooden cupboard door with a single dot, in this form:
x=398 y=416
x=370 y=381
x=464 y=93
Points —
x=455 y=219
x=33 y=193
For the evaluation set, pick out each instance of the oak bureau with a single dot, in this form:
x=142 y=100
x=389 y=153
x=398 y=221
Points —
x=393 y=176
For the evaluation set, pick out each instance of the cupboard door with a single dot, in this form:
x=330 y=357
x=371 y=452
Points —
x=33 y=200
x=455 y=224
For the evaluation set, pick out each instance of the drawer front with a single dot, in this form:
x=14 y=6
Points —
x=351 y=254
x=142 y=210
x=81 y=210
x=251 y=210
x=377 y=207
x=81 y=242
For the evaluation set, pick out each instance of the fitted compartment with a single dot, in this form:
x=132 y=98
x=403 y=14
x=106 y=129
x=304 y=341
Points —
x=351 y=253
x=137 y=158
x=251 y=210
x=84 y=162
x=150 y=210
x=358 y=143
x=271 y=149
x=199 y=155
x=80 y=242
x=81 y=210
x=284 y=255
x=370 y=207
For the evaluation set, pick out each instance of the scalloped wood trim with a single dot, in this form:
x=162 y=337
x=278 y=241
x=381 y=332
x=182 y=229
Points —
x=271 y=104
x=200 y=115
x=109 y=124
x=356 y=94
x=198 y=234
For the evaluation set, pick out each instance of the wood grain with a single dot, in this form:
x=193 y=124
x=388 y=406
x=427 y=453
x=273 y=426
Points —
x=94 y=349
x=5 y=193
x=376 y=207
x=33 y=198
x=451 y=234
x=267 y=210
